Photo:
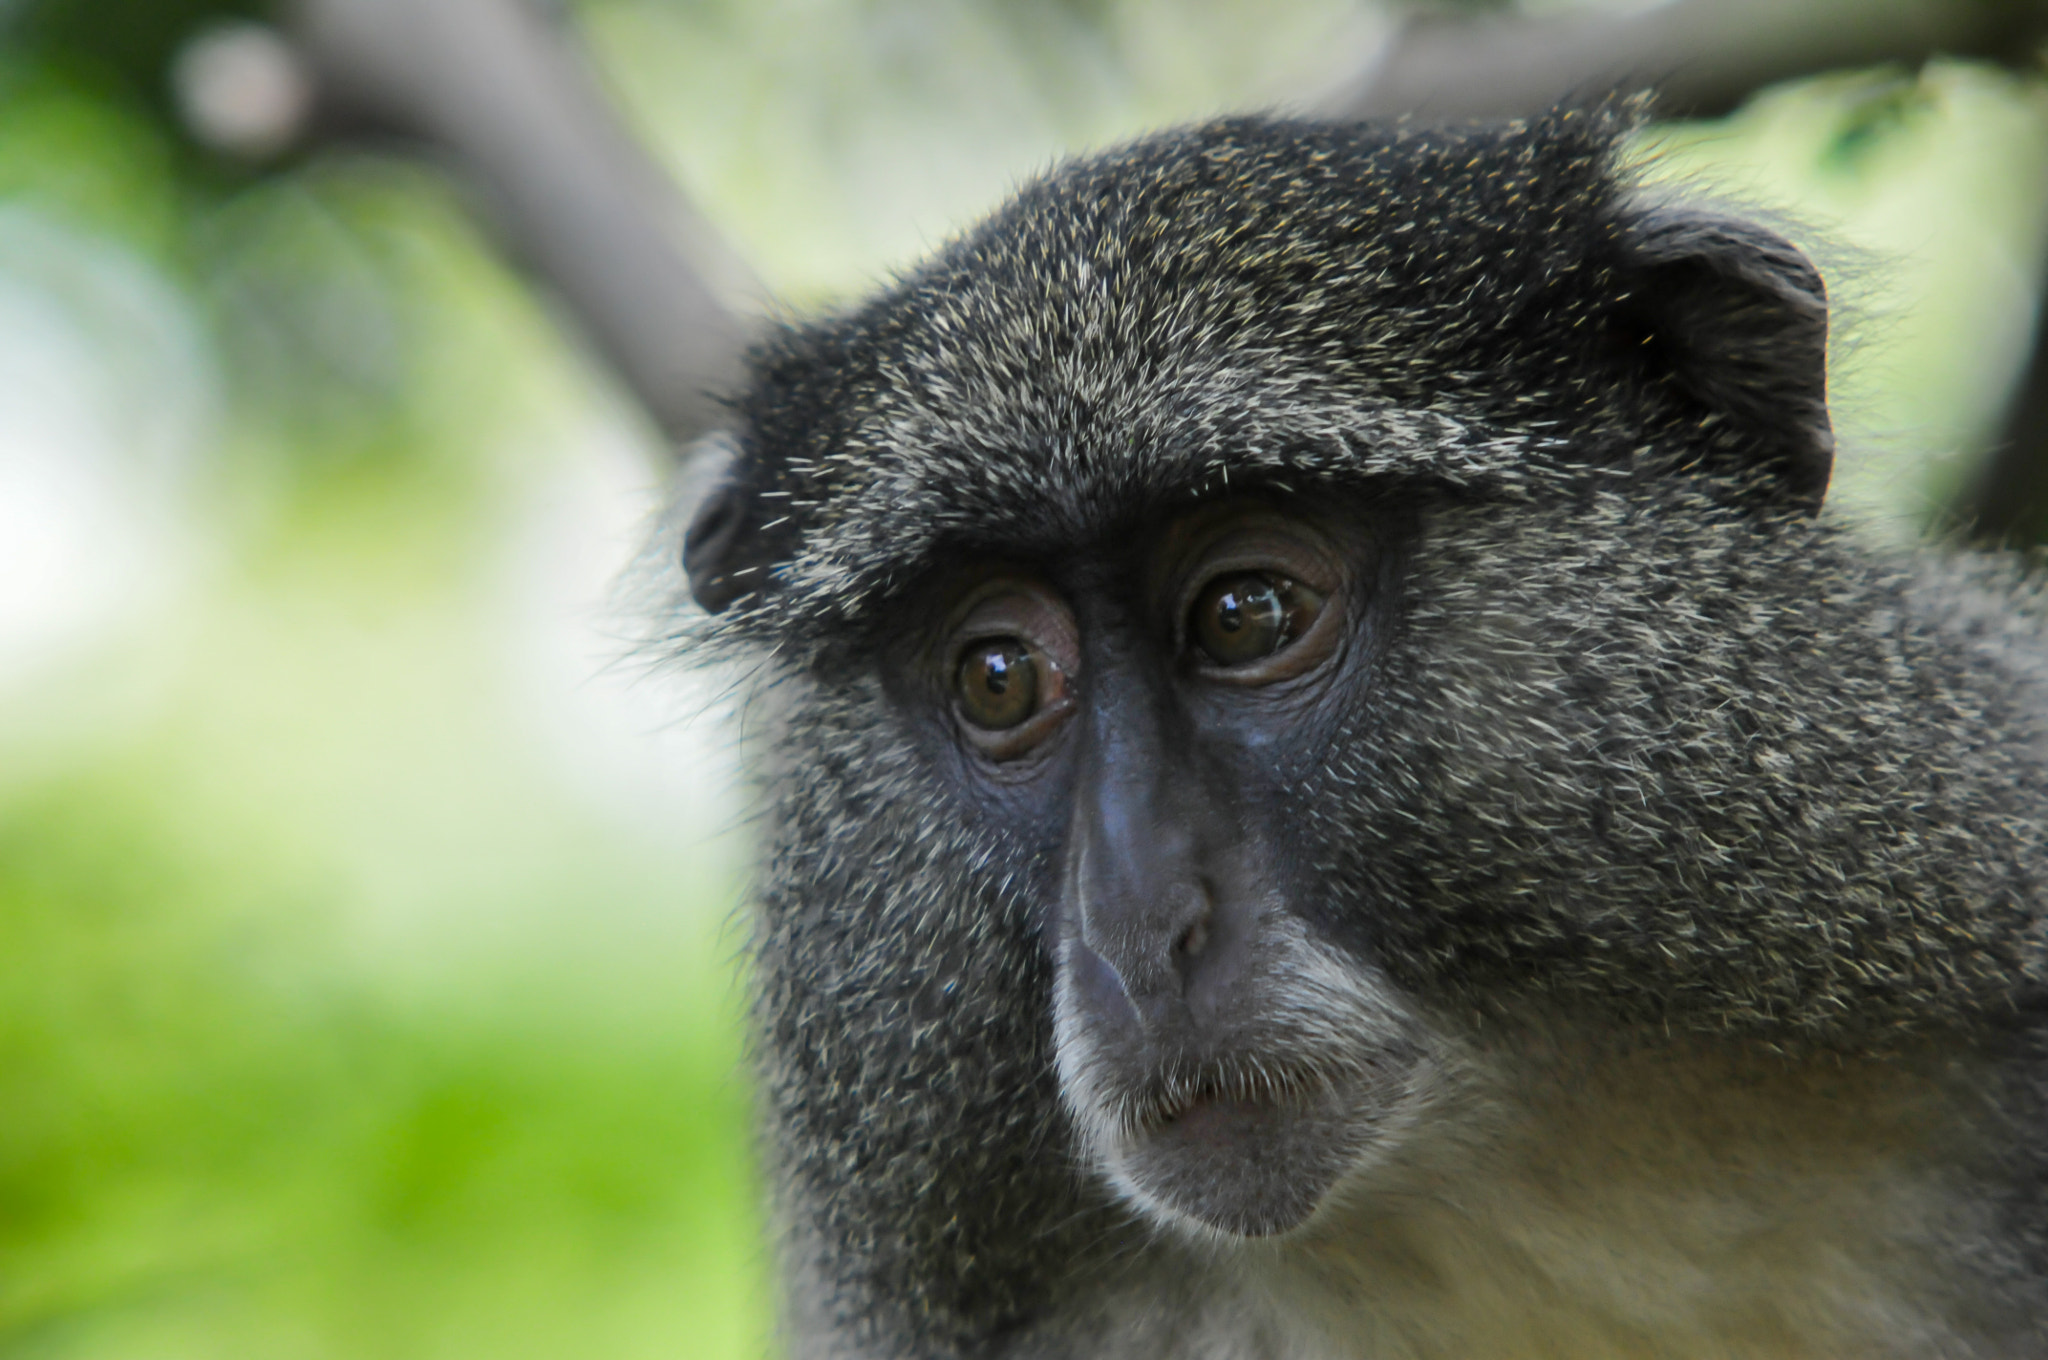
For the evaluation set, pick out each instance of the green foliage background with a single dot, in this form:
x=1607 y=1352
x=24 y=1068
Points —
x=346 y=1007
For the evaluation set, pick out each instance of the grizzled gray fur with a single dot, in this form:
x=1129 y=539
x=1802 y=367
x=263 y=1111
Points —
x=1680 y=854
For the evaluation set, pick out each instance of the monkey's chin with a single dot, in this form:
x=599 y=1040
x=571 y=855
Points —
x=1248 y=1168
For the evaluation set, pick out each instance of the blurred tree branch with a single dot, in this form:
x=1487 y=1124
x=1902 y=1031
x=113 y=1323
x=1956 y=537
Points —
x=493 y=85
x=1703 y=57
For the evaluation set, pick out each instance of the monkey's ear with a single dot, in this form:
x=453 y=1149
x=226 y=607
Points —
x=1739 y=319
x=724 y=554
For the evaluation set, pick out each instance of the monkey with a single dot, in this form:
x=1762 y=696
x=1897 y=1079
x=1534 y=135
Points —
x=1327 y=790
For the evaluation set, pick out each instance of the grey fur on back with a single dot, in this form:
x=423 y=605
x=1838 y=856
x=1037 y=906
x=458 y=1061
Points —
x=1656 y=751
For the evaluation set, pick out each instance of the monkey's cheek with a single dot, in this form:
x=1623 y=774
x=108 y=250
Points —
x=1250 y=1168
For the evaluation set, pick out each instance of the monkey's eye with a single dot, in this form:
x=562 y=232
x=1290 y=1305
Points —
x=997 y=683
x=1007 y=665
x=1248 y=616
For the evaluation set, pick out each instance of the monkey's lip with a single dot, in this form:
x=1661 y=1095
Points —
x=1200 y=1096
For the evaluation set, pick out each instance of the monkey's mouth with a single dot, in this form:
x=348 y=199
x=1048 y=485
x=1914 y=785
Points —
x=1174 y=1097
x=1250 y=1151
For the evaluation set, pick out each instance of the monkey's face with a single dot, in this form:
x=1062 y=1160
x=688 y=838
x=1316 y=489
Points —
x=1160 y=707
x=1104 y=805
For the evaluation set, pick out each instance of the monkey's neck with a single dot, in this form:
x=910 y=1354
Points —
x=1559 y=1198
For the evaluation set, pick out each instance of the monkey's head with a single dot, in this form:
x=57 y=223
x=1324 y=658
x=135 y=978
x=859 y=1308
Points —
x=1268 y=600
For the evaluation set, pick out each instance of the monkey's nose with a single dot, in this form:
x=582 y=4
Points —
x=1142 y=890
x=1099 y=987
x=1147 y=953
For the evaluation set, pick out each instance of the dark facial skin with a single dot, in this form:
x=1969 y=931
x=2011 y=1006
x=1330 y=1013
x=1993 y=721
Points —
x=1156 y=709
